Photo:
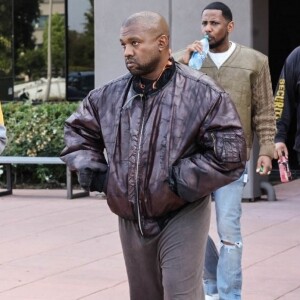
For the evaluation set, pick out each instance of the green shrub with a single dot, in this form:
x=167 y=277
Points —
x=36 y=130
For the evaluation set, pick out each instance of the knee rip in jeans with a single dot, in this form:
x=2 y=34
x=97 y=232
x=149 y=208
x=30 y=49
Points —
x=230 y=246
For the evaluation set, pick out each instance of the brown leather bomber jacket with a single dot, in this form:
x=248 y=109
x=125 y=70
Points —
x=164 y=150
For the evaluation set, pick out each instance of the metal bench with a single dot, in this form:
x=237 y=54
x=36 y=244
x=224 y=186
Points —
x=8 y=161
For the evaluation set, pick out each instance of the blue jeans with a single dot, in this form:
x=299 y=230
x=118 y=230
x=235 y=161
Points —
x=223 y=272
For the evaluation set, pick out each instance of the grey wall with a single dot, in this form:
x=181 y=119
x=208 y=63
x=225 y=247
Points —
x=261 y=25
x=186 y=21
x=183 y=16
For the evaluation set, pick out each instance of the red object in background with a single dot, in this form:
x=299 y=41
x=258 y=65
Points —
x=284 y=169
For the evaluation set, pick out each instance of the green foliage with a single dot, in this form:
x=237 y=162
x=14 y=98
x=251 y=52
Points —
x=5 y=39
x=36 y=130
x=26 y=14
x=82 y=43
x=57 y=43
x=33 y=63
x=89 y=25
x=5 y=56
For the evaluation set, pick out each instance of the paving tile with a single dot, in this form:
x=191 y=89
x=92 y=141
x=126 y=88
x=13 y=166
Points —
x=53 y=248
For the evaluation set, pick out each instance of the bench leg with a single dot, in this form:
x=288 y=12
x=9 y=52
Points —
x=70 y=194
x=8 y=190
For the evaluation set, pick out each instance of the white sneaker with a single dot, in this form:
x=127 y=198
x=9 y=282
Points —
x=212 y=297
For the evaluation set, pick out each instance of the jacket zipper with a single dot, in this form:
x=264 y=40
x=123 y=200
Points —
x=212 y=133
x=214 y=142
x=137 y=169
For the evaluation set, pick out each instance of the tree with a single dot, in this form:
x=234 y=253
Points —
x=58 y=44
x=5 y=38
x=32 y=62
x=26 y=12
x=89 y=34
x=5 y=56
x=82 y=43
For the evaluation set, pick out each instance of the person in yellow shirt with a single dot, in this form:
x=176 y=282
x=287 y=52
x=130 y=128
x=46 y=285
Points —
x=2 y=131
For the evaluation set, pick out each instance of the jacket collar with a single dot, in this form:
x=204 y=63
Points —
x=146 y=87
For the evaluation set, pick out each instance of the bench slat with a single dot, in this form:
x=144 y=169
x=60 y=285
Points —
x=31 y=160
x=18 y=160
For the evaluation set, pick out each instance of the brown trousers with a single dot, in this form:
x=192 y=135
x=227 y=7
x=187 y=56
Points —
x=168 y=266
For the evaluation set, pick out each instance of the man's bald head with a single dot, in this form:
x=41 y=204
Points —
x=150 y=21
x=144 y=37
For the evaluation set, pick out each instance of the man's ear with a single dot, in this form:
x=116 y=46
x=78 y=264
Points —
x=230 y=27
x=163 y=42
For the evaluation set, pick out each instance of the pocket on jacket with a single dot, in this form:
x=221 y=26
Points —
x=227 y=146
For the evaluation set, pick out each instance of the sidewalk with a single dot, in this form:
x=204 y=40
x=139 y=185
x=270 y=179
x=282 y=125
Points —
x=52 y=248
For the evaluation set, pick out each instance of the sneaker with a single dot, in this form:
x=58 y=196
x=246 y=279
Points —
x=212 y=297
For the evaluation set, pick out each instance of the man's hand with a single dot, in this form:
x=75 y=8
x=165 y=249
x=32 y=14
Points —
x=280 y=149
x=196 y=46
x=264 y=165
x=85 y=177
x=92 y=180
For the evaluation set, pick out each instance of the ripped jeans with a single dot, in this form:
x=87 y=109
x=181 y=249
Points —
x=223 y=272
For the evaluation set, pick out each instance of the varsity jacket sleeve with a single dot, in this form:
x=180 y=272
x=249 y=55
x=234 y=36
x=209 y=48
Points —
x=263 y=120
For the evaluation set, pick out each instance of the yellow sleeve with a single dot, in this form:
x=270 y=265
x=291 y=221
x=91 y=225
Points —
x=1 y=116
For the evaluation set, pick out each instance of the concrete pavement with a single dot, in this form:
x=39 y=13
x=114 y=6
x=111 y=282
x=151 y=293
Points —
x=52 y=248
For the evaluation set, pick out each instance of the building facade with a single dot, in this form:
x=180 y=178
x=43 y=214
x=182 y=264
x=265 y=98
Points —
x=184 y=18
x=58 y=7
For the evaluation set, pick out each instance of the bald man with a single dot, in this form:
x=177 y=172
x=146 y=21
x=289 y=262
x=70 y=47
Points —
x=172 y=136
